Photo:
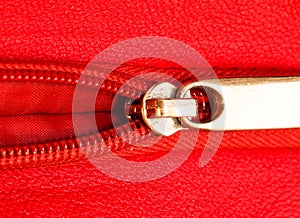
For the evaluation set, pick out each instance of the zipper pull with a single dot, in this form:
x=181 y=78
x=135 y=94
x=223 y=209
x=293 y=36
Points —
x=221 y=104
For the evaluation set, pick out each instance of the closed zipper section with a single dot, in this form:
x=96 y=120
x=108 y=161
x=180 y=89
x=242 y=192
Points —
x=61 y=151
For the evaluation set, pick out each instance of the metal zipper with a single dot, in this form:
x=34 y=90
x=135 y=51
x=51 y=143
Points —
x=233 y=104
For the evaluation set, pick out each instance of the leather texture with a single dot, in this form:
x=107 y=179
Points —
x=255 y=173
x=240 y=182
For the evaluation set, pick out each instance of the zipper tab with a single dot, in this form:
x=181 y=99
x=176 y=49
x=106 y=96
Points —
x=224 y=104
x=172 y=107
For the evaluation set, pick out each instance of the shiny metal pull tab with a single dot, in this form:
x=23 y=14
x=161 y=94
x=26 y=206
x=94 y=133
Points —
x=224 y=104
x=169 y=108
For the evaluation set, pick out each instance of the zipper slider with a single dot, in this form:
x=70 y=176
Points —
x=224 y=104
x=163 y=109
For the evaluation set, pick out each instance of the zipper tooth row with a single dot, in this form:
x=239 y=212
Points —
x=111 y=83
x=32 y=154
x=72 y=149
x=36 y=73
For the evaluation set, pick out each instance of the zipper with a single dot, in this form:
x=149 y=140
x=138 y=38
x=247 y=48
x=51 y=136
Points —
x=67 y=150
x=49 y=153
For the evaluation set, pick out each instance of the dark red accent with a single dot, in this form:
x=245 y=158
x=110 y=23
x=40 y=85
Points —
x=204 y=107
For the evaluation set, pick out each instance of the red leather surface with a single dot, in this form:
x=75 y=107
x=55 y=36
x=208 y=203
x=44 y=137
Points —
x=241 y=182
x=227 y=34
x=248 y=183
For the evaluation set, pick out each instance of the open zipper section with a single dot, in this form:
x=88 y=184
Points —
x=65 y=150
x=45 y=153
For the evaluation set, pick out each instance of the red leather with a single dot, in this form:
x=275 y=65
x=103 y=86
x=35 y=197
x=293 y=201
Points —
x=227 y=34
x=236 y=183
x=254 y=173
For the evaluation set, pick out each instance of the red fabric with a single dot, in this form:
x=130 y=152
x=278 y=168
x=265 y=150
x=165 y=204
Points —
x=247 y=182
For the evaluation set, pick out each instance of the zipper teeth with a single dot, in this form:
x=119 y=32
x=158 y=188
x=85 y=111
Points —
x=72 y=149
x=68 y=76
